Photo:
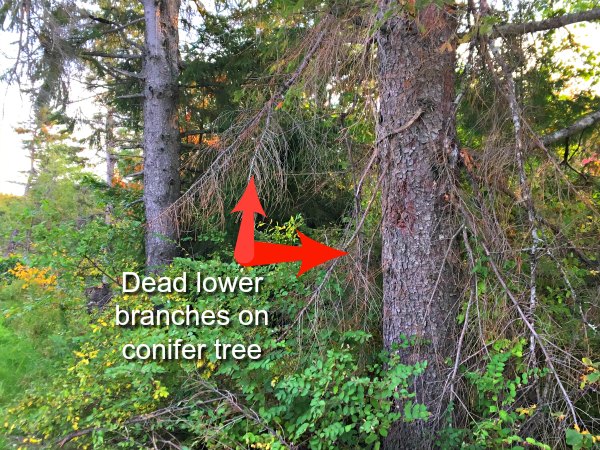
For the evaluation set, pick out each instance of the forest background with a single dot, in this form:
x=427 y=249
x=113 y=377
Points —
x=450 y=148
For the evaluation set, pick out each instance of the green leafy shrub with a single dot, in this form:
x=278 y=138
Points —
x=497 y=413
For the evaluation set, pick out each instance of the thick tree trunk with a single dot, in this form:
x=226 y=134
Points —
x=415 y=142
x=161 y=131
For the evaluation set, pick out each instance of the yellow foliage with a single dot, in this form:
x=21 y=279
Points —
x=527 y=411
x=33 y=276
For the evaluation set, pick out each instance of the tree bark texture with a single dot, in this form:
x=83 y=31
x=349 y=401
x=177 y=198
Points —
x=415 y=139
x=161 y=131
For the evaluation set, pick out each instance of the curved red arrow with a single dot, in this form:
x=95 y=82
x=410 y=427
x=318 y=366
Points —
x=248 y=252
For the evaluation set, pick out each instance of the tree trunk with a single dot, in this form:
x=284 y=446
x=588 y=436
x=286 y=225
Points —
x=111 y=161
x=416 y=139
x=161 y=131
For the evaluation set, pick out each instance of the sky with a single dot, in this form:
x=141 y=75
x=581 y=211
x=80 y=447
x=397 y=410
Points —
x=15 y=111
x=16 y=108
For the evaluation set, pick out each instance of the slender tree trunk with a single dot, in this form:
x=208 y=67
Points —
x=161 y=131
x=111 y=161
x=415 y=142
x=31 y=173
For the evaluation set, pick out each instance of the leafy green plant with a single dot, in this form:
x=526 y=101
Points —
x=498 y=413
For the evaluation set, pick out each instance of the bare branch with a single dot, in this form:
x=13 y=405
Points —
x=523 y=316
x=576 y=127
x=126 y=73
x=517 y=29
x=130 y=96
x=111 y=278
x=112 y=55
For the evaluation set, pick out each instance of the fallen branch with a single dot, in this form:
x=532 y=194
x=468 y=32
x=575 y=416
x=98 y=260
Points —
x=137 y=419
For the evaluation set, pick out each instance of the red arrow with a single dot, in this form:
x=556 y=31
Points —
x=248 y=252
x=248 y=205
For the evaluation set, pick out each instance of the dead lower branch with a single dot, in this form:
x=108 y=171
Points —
x=518 y=29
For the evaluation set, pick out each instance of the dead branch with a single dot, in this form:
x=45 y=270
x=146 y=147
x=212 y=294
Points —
x=102 y=271
x=126 y=73
x=231 y=399
x=558 y=233
x=531 y=330
x=517 y=29
x=136 y=419
x=521 y=313
x=112 y=55
x=574 y=295
x=576 y=127
x=129 y=96
x=472 y=296
x=536 y=242
x=220 y=162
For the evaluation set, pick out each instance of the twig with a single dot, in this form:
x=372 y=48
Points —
x=452 y=377
x=114 y=280
x=404 y=127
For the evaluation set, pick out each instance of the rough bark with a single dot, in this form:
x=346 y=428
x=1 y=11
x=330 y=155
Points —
x=416 y=80
x=161 y=132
